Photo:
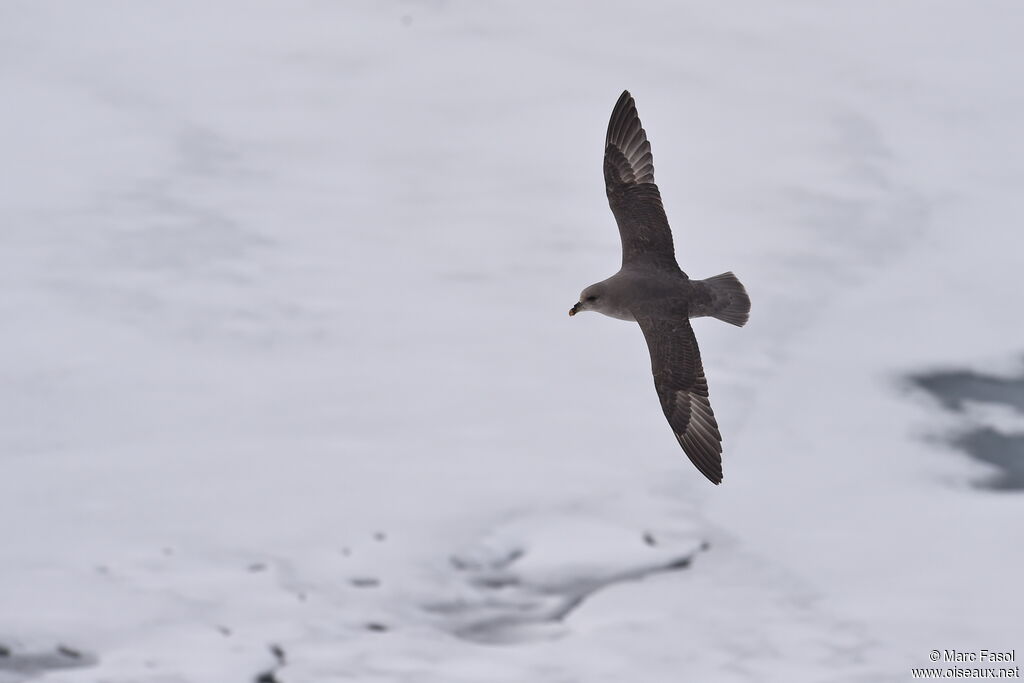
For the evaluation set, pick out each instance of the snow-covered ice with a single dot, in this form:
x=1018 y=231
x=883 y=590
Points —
x=288 y=388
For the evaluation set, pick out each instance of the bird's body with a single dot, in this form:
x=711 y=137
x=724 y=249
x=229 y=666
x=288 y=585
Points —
x=661 y=294
x=651 y=290
x=631 y=291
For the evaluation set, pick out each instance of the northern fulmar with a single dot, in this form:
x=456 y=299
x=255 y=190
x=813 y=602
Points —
x=651 y=290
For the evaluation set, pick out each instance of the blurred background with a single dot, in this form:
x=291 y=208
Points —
x=289 y=392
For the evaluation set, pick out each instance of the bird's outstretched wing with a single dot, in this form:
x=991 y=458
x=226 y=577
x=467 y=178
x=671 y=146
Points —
x=632 y=194
x=683 y=390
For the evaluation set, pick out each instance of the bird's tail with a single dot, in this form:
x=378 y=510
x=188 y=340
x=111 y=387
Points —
x=730 y=302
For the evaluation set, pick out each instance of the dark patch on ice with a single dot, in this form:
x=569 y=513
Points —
x=468 y=564
x=280 y=660
x=1005 y=452
x=377 y=627
x=953 y=388
x=26 y=662
x=69 y=652
x=364 y=582
x=495 y=581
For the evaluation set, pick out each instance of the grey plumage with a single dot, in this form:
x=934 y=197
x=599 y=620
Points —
x=632 y=194
x=653 y=291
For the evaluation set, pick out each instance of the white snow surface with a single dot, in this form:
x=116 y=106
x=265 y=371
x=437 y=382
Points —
x=286 y=362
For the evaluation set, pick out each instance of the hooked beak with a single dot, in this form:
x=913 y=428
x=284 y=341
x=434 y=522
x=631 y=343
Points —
x=575 y=309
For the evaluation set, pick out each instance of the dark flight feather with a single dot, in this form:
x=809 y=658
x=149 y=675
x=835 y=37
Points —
x=632 y=194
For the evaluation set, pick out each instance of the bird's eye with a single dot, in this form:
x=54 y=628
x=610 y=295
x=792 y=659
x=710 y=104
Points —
x=591 y=298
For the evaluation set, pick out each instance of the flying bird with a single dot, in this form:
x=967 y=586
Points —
x=653 y=291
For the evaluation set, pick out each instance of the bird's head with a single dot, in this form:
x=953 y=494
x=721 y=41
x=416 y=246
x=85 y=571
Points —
x=589 y=299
